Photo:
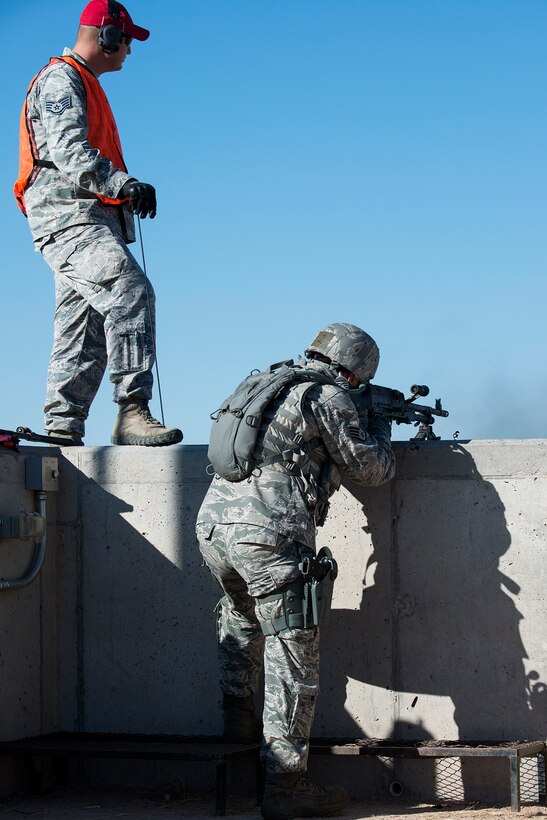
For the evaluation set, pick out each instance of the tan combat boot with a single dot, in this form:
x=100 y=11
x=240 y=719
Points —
x=135 y=425
x=290 y=795
x=68 y=439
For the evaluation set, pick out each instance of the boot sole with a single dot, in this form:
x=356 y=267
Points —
x=334 y=811
x=302 y=812
x=162 y=440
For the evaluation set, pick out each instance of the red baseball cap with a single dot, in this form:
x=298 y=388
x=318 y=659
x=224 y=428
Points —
x=97 y=13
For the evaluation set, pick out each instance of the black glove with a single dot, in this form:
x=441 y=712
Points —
x=142 y=198
x=379 y=426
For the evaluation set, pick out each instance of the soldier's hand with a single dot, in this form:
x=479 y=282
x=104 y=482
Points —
x=142 y=198
x=379 y=426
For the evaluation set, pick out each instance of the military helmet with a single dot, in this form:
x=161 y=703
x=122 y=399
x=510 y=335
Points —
x=350 y=347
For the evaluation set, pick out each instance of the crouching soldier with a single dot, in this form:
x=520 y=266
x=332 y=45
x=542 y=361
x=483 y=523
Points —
x=256 y=530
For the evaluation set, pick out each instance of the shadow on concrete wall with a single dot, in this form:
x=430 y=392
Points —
x=437 y=616
x=145 y=605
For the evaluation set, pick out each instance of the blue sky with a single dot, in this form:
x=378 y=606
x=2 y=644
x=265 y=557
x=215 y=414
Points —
x=381 y=162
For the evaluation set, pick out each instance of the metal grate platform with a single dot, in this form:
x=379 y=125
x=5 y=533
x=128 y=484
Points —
x=70 y=745
x=513 y=751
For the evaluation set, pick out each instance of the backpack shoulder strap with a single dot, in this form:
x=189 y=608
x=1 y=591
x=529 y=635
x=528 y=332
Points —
x=295 y=453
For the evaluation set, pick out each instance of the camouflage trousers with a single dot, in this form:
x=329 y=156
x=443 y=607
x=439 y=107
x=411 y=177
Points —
x=104 y=315
x=247 y=565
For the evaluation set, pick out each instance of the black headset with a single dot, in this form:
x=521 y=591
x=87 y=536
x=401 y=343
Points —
x=110 y=36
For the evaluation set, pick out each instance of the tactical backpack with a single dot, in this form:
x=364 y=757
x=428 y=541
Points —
x=237 y=422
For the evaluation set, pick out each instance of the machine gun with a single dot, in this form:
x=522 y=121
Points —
x=391 y=403
x=11 y=438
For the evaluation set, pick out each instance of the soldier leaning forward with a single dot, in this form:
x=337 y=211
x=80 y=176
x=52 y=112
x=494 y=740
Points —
x=74 y=187
x=257 y=537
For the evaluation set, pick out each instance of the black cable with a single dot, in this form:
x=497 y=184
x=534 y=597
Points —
x=152 y=323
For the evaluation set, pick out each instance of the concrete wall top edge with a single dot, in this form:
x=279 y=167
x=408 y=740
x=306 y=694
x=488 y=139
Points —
x=515 y=458
x=437 y=459
x=182 y=464
x=472 y=459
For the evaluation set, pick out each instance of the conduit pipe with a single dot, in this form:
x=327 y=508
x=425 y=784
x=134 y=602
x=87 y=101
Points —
x=396 y=788
x=40 y=552
x=41 y=474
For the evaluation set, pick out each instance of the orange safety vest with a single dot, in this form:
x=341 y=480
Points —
x=102 y=133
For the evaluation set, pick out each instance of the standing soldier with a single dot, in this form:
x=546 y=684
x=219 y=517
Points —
x=257 y=537
x=74 y=187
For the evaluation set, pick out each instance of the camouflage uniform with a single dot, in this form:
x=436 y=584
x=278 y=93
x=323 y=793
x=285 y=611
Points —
x=253 y=535
x=104 y=313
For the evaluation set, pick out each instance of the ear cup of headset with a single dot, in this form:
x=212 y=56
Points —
x=110 y=37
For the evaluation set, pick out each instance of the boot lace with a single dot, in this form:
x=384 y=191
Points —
x=147 y=416
x=308 y=787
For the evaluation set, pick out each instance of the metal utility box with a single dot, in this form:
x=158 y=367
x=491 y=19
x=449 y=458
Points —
x=42 y=473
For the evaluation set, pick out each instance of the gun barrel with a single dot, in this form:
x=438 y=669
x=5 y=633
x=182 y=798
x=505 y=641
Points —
x=434 y=411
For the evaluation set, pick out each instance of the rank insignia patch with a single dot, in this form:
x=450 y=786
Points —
x=58 y=106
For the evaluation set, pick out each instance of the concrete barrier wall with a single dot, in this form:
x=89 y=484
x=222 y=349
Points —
x=28 y=619
x=143 y=646
x=438 y=623
x=440 y=619
x=28 y=662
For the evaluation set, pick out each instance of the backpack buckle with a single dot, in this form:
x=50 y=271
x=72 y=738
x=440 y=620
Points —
x=277 y=365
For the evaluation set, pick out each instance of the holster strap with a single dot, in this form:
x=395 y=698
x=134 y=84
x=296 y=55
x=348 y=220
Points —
x=293 y=614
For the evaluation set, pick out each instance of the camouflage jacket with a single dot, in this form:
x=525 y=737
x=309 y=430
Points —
x=65 y=196
x=283 y=503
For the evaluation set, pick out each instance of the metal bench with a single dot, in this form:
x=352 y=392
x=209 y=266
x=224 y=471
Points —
x=69 y=745
x=514 y=751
